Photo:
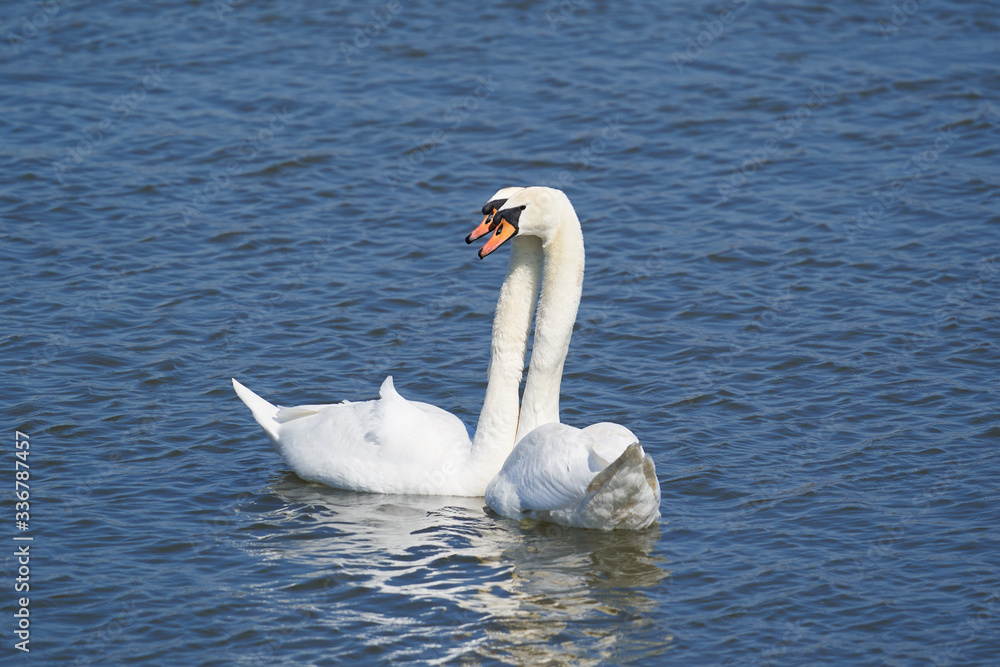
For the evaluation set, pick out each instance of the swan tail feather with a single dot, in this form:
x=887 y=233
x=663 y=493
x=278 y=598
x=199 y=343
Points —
x=388 y=390
x=630 y=458
x=263 y=412
x=627 y=491
x=625 y=495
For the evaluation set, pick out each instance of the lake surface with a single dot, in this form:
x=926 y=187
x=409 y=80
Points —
x=792 y=219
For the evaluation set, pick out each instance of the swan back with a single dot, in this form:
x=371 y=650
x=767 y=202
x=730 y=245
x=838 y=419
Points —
x=388 y=445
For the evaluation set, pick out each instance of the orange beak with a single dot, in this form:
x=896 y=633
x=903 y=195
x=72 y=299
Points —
x=484 y=228
x=504 y=231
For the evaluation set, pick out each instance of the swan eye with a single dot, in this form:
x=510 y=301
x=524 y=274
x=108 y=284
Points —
x=524 y=206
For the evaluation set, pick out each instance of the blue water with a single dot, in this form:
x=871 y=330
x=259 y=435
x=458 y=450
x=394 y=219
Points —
x=792 y=297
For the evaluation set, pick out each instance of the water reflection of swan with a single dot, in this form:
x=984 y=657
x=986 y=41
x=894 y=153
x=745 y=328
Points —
x=576 y=594
x=533 y=586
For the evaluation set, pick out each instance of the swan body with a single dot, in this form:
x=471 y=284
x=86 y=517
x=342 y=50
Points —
x=596 y=477
x=393 y=445
x=387 y=445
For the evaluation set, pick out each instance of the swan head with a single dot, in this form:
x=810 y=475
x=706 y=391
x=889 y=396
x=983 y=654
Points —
x=535 y=211
x=489 y=210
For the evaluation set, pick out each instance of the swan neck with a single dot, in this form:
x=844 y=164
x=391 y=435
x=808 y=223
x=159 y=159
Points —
x=497 y=427
x=562 y=285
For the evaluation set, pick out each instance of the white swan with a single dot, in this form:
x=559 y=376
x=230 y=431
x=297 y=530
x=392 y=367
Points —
x=392 y=445
x=597 y=477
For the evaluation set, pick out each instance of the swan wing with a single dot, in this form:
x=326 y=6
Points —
x=552 y=465
x=561 y=474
